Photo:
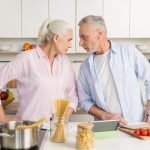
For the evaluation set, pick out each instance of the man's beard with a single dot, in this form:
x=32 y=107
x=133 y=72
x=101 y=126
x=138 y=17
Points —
x=91 y=51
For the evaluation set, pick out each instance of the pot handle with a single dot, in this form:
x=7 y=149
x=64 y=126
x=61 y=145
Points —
x=7 y=135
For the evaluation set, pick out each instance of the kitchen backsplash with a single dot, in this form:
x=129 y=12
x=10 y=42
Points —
x=18 y=42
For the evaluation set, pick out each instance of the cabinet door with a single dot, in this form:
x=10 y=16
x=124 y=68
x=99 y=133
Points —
x=84 y=8
x=10 y=18
x=140 y=19
x=65 y=10
x=116 y=15
x=34 y=12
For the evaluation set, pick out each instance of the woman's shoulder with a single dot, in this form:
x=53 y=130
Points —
x=26 y=54
x=64 y=59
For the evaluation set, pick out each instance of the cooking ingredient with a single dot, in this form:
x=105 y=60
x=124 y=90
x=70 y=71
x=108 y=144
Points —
x=148 y=132
x=3 y=95
x=26 y=46
x=10 y=95
x=32 y=46
x=137 y=132
x=85 y=137
x=58 y=134
x=143 y=132
x=38 y=123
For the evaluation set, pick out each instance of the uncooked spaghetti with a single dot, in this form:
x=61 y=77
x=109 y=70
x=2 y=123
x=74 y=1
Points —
x=61 y=106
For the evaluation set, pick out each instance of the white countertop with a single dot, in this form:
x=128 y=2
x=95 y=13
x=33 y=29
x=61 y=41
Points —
x=121 y=142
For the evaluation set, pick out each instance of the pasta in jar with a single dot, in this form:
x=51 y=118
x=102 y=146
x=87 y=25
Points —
x=85 y=138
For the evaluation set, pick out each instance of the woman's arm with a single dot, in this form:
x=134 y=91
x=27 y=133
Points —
x=4 y=118
x=69 y=112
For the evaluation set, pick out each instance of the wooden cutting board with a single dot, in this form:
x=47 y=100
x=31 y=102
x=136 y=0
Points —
x=130 y=131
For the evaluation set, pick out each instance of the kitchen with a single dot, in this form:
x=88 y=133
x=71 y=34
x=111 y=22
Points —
x=22 y=23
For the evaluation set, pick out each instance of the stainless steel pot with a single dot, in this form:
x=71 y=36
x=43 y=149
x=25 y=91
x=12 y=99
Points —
x=12 y=138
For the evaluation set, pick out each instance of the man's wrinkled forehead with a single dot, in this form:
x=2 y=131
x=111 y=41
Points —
x=85 y=29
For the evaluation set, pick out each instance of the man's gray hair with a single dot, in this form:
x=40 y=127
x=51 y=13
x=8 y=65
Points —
x=51 y=27
x=96 y=21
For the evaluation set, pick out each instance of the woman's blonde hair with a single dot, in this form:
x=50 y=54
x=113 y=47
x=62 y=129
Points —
x=51 y=27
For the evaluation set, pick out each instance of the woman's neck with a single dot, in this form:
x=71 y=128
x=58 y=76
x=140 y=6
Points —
x=49 y=51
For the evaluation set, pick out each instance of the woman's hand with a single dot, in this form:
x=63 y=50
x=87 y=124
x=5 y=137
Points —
x=5 y=118
x=69 y=113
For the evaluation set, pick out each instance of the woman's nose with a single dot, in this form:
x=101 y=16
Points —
x=70 y=45
x=80 y=43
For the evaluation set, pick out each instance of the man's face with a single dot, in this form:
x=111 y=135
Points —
x=64 y=42
x=88 y=38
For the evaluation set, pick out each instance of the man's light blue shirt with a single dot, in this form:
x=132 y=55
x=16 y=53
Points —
x=128 y=67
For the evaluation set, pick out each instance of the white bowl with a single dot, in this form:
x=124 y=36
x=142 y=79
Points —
x=5 y=47
x=143 y=48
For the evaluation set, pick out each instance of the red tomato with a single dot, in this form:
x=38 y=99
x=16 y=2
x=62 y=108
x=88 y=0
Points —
x=143 y=132
x=148 y=132
x=136 y=132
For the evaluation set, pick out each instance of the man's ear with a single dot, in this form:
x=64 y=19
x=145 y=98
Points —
x=100 y=33
x=55 y=38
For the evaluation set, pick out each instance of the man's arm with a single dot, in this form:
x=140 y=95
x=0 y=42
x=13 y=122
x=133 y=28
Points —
x=147 y=112
x=103 y=115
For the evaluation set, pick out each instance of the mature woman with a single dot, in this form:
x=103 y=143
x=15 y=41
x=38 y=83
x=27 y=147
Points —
x=43 y=74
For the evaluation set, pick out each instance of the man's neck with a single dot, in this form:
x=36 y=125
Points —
x=104 y=47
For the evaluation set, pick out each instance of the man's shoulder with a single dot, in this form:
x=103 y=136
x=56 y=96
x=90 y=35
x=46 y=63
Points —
x=123 y=47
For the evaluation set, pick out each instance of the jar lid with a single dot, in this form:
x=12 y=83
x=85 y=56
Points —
x=85 y=125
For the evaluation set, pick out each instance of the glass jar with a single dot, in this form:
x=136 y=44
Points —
x=58 y=129
x=85 y=136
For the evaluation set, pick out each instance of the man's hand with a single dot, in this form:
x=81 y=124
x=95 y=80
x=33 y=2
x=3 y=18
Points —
x=147 y=111
x=110 y=116
x=103 y=115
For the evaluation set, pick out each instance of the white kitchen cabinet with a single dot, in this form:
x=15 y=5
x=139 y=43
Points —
x=116 y=15
x=140 y=19
x=10 y=18
x=84 y=8
x=34 y=12
x=65 y=10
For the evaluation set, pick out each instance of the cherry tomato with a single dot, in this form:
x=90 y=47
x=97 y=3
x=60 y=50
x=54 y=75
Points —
x=137 y=132
x=148 y=132
x=143 y=132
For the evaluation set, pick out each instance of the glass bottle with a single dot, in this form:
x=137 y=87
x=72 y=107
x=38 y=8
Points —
x=85 y=136
x=58 y=129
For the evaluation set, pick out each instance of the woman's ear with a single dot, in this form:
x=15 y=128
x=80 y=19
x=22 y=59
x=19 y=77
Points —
x=55 y=38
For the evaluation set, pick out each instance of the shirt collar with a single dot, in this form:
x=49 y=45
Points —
x=41 y=54
x=114 y=49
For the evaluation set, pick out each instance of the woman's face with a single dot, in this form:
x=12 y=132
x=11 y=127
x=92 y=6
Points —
x=64 y=42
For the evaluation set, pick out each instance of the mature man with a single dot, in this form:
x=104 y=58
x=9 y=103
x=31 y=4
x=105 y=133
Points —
x=108 y=81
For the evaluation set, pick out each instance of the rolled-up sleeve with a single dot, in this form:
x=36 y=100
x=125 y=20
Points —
x=10 y=71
